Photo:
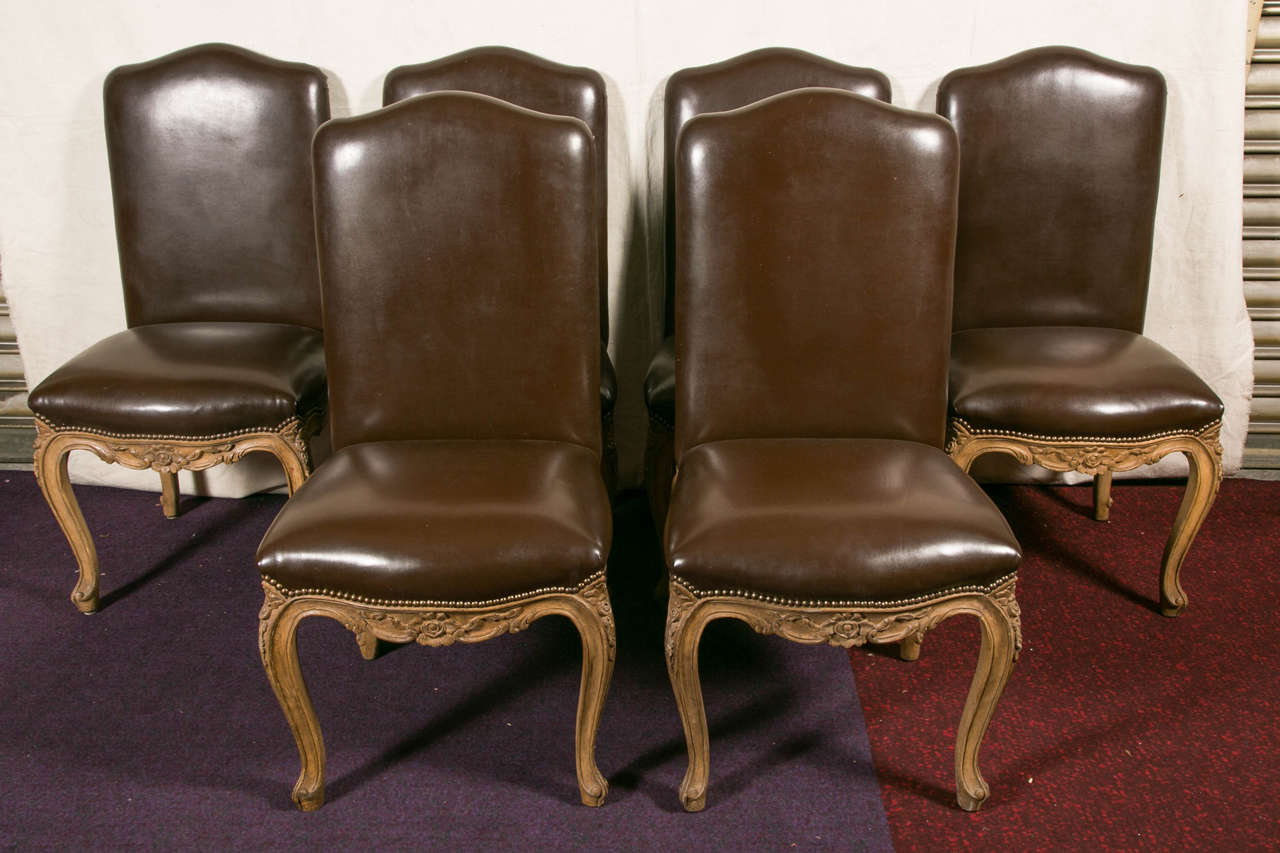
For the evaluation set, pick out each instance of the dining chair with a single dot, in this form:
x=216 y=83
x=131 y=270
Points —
x=464 y=500
x=209 y=153
x=815 y=236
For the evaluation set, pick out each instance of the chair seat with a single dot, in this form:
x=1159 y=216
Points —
x=1075 y=381
x=443 y=521
x=188 y=379
x=832 y=520
x=660 y=383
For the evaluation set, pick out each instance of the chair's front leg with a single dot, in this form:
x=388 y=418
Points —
x=995 y=664
x=684 y=631
x=1205 y=476
x=278 y=644
x=594 y=622
x=50 y=465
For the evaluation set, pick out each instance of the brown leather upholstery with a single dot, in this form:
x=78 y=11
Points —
x=789 y=279
x=734 y=83
x=188 y=379
x=808 y=428
x=534 y=83
x=209 y=149
x=1060 y=167
x=444 y=521
x=457 y=253
x=454 y=268
x=720 y=86
x=1075 y=381
x=832 y=519
x=210 y=172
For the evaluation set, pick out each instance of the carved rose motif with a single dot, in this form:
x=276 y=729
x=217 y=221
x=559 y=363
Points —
x=433 y=628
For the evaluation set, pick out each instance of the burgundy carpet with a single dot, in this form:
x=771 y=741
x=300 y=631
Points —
x=1120 y=729
x=151 y=723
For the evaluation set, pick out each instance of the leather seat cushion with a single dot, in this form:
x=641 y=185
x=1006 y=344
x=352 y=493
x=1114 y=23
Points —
x=832 y=520
x=608 y=382
x=188 y=379
x=446 y=521
x=1075 y=381
x=660 y=383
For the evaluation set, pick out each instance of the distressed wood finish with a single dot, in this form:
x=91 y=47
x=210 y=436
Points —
x=166 y=456
x=588 y=609
x=1102 y=496
x=169 y=494
x=1100 y=458
x=997 y=613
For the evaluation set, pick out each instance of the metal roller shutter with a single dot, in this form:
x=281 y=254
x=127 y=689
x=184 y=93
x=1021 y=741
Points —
x=1262 y=231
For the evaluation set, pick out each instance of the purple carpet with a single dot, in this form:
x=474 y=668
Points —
x=152 y=724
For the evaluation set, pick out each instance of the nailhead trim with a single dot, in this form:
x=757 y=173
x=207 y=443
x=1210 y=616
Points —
x=1092 y=439
x=853 y=605
x=388 y=602
x=151 y=437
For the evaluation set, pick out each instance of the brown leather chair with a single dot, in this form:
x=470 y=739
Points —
x=209 y=150
x=814 y=244
x=711 y=88
x=538 y=84
x=1060 y=167
x=464 y=498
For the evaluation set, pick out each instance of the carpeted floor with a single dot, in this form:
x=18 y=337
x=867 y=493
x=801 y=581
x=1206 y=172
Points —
x=151 y=724
x=1120 y=729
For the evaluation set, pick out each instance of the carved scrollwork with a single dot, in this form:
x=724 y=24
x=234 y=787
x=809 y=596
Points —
x=834 y=626
x=679 y=605
x=435 y=628
x=271 y=604
x=1087 y=456
x=596 y=594
x=1004 y=597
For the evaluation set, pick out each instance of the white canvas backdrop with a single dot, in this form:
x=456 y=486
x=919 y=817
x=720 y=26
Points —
x=57 y=240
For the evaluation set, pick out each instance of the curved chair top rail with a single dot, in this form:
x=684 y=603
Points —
x=457 y=254
x=1059 y=174
x=209 y=149
x=816 y=231
x=535 y=83
x=734 y=83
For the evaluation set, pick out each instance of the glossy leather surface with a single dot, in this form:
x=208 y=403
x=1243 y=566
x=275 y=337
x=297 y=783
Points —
x=815 y=237
x=844 y=519
x=736 y=83
x=209 y=151
x=1059 y=171
x=187 y=379
x=458 y=265
x=660 y=383
x=534 y=83
x=443 y=521
x=1075 y=381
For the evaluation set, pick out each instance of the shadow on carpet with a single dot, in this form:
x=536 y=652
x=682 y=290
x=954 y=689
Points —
x=151 y=723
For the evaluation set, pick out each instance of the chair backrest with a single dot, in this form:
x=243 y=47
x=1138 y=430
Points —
x=534 y=83
x=814 y=249
x=458 y=265
x=210 y=156
x=735 y=83
x=1059 y=172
